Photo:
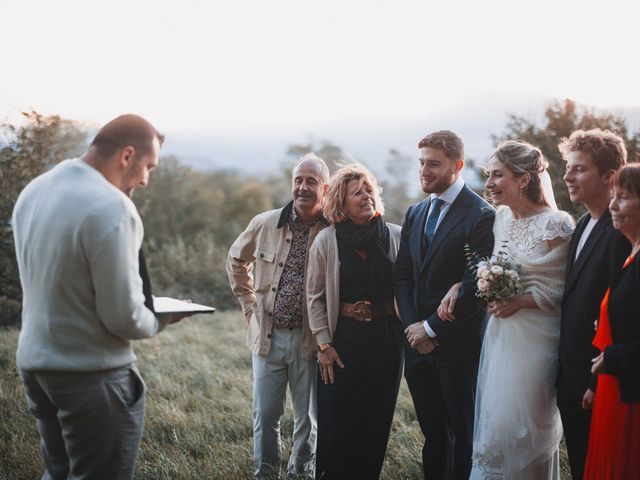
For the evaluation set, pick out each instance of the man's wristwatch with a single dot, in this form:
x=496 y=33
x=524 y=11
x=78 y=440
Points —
x=324 y=346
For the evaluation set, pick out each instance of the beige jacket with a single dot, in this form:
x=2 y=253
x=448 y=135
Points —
x=266 y=242
x=323 y=281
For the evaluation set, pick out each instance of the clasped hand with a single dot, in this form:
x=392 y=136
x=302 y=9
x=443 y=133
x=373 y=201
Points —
x=418 y=338
x=506 y=308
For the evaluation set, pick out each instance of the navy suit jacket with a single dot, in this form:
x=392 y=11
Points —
x=424 y=273
x=587 y=280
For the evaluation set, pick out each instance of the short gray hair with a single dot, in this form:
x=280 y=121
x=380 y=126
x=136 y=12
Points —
x=324 y=170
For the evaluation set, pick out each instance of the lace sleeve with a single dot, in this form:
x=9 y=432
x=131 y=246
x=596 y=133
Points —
x=559 y=225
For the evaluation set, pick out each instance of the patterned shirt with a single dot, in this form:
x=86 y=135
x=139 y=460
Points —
x=287 y=312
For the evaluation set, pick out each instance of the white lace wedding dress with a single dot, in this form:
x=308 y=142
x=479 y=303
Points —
x=517 y=425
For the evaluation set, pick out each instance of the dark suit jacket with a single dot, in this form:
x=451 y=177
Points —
x=623 y=357
x=424 y=274
x=586 y=282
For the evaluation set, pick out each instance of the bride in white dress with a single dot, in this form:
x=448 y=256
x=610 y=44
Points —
x=517 y=427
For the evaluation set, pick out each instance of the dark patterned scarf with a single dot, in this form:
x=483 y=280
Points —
x=372 y=238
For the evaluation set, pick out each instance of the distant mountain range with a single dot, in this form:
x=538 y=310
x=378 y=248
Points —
x=262 y=150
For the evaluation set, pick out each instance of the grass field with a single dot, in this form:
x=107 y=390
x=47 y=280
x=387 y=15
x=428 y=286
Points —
x=198 y=417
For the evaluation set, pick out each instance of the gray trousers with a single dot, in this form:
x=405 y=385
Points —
x=271 y=375
x=90 y=423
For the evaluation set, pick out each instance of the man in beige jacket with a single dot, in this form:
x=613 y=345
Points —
x=274 y=305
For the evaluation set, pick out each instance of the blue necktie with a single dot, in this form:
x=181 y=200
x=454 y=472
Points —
x=432 y=221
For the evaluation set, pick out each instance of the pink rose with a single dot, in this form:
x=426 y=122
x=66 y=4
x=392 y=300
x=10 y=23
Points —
x=483 y=285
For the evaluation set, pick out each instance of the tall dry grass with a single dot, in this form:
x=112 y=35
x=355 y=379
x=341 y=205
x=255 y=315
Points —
x=198 y=417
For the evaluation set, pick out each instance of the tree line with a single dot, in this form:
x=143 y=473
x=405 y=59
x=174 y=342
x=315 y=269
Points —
x=191 y=217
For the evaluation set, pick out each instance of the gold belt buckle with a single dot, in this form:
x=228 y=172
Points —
x=363 y=311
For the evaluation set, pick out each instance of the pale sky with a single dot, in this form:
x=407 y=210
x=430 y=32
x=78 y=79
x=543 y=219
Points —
x=242 y=63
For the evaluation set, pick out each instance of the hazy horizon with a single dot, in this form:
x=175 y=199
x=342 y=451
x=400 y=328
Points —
x=288 y=65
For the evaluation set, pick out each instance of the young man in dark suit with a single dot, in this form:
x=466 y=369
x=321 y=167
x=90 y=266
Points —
x=441 y=360
x=595 y=252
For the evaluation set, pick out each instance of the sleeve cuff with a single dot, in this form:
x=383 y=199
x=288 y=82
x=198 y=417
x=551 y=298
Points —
x=428 y=329
x=323 y=337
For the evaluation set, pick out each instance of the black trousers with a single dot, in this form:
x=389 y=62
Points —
x=576 y=424
x=443 y=392
x=356 y=411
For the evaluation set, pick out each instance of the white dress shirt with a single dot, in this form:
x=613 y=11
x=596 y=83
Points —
x=448 y=197
x=585 y=236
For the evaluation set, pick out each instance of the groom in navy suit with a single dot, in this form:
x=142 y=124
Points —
x=441 y=360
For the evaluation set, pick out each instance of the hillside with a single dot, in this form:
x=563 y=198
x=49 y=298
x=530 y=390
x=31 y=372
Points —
x=198 y=417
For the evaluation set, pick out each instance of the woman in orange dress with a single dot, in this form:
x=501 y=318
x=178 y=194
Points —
x=614 y=441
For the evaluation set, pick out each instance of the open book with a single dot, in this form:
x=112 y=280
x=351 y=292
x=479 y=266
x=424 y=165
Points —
x=171 y=306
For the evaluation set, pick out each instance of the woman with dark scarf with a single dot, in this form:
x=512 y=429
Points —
x=352 y=316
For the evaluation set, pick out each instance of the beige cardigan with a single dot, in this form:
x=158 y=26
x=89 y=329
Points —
x=323 y=281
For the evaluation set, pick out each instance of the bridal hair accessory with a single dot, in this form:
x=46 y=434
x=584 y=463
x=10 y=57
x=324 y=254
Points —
x=547 y=189
x=522 y=157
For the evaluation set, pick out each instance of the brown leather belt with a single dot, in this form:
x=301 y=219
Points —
x=365 y=311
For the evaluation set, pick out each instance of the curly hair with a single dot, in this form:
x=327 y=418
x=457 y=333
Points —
x=333 y=209
x=445 y=140
x=607 y=149
x=521 y=158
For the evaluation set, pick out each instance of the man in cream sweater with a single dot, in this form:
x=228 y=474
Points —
x=78 y=237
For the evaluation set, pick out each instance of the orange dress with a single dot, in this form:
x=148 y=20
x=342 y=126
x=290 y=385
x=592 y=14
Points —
x=614 y=440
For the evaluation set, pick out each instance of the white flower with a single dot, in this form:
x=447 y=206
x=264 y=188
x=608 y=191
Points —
x=486 y=274
x=482 y=271
x=483 y=285
x=482 y=264
x=497 y=270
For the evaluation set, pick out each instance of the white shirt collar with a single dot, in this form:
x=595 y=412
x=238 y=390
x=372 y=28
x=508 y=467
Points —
x=451 y=193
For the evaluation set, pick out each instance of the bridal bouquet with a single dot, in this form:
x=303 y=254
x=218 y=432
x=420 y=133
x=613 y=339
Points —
x=497 y=276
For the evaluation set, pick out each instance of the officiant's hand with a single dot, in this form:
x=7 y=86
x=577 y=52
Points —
x=176 y=318
x=418 y=338
x=587 y=399
x=180 y=316
x=326 y=361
